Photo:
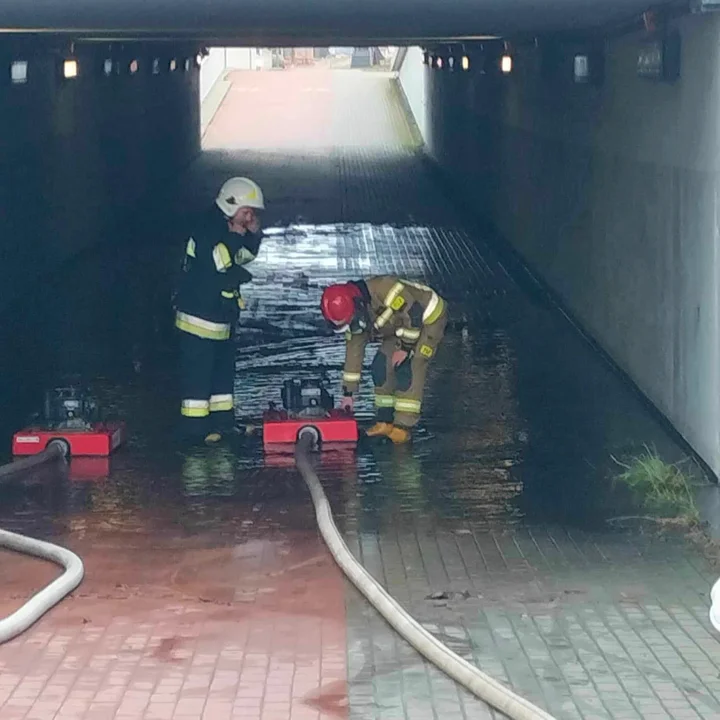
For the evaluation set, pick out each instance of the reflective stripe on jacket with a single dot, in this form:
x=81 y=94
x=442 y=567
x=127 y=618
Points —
x=202 y=328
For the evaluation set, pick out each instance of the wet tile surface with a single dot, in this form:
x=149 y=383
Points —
x=207 y=585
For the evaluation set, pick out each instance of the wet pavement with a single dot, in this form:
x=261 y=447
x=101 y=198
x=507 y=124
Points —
x=208 y=592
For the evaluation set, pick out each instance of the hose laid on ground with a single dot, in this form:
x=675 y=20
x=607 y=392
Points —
x=51 y=595
x=54 y=451
x=465 y=674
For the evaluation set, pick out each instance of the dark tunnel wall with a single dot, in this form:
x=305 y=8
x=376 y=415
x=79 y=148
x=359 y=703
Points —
x=609 y=192
x=80 y=156
x=285 y=22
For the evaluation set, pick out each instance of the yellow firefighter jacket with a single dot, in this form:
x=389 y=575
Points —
x=399 y=309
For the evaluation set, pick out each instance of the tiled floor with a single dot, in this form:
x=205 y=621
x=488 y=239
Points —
x=178 y=663
x=208 y=592
x=256 y=630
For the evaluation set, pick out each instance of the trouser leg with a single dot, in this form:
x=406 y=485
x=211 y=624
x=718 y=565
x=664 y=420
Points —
x=383 y=374
x=196 y=367
x=222 y=416
x=412 y=375
x=411 y=386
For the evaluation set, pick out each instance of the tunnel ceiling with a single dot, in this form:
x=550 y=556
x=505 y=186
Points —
x=277 y=21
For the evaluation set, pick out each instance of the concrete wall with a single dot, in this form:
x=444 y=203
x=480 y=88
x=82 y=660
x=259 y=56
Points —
x=240 y=58
x=212 y=69
x=412 y=79
x=79 y=156
x=220 y=60
x=611 y=194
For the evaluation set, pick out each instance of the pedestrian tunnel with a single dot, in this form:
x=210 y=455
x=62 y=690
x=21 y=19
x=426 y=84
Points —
x=549 y=170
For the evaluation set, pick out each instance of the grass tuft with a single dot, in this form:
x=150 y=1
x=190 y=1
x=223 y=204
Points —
x=663 y=489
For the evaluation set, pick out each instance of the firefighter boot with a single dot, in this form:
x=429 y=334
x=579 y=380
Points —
x=399 y=435
x=380 y=429
x=223 y=435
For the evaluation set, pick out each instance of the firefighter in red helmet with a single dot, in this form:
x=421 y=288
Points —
x=409 y=319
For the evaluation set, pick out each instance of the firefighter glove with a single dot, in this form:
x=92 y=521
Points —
x=399 y=357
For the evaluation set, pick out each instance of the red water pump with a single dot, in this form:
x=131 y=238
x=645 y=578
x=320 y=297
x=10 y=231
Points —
x=72 y=420
x=308 y=407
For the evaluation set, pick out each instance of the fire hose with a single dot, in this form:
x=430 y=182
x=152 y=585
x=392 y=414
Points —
x=52 y=594
x=464 y=673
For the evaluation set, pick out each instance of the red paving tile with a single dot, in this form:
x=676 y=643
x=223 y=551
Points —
x=306 y=109
x=216 y=635
x=273 y=110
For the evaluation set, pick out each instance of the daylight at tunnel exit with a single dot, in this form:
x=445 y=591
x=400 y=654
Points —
x=360 y=361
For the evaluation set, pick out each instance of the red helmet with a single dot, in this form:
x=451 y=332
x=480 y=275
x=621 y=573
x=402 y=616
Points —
x=339 y=305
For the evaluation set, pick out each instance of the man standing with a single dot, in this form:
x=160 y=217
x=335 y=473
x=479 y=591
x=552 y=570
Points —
x=410 y=321
x=223 y=240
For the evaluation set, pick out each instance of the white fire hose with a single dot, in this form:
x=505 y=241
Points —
x=51 y=595
x=466 y=675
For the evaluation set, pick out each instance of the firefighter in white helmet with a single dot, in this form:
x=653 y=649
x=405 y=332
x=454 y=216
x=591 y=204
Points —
x=221 y=242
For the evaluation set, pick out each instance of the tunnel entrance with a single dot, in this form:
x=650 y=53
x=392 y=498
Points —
x=300 y=99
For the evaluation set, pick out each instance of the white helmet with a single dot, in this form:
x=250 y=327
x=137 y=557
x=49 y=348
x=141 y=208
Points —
x=239 y=192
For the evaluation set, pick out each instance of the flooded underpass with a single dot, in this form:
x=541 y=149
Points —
x=208 y=592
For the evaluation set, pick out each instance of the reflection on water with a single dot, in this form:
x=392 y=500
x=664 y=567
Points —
x=519 y=422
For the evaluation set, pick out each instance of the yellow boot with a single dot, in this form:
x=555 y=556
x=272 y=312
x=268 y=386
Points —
x=380 y=429
x=399 y=435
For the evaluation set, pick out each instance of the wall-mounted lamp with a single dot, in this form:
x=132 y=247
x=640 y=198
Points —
x=426 y=58
x=581 y=69
x=173 y=65
x=19 y=72
x=659 y=58
x=506 y=64
x=108 y=67
x=71 y=69
x=188 y=63
x=156 y=66
x=439 y=62
x=133 y=67
x=465 y=63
